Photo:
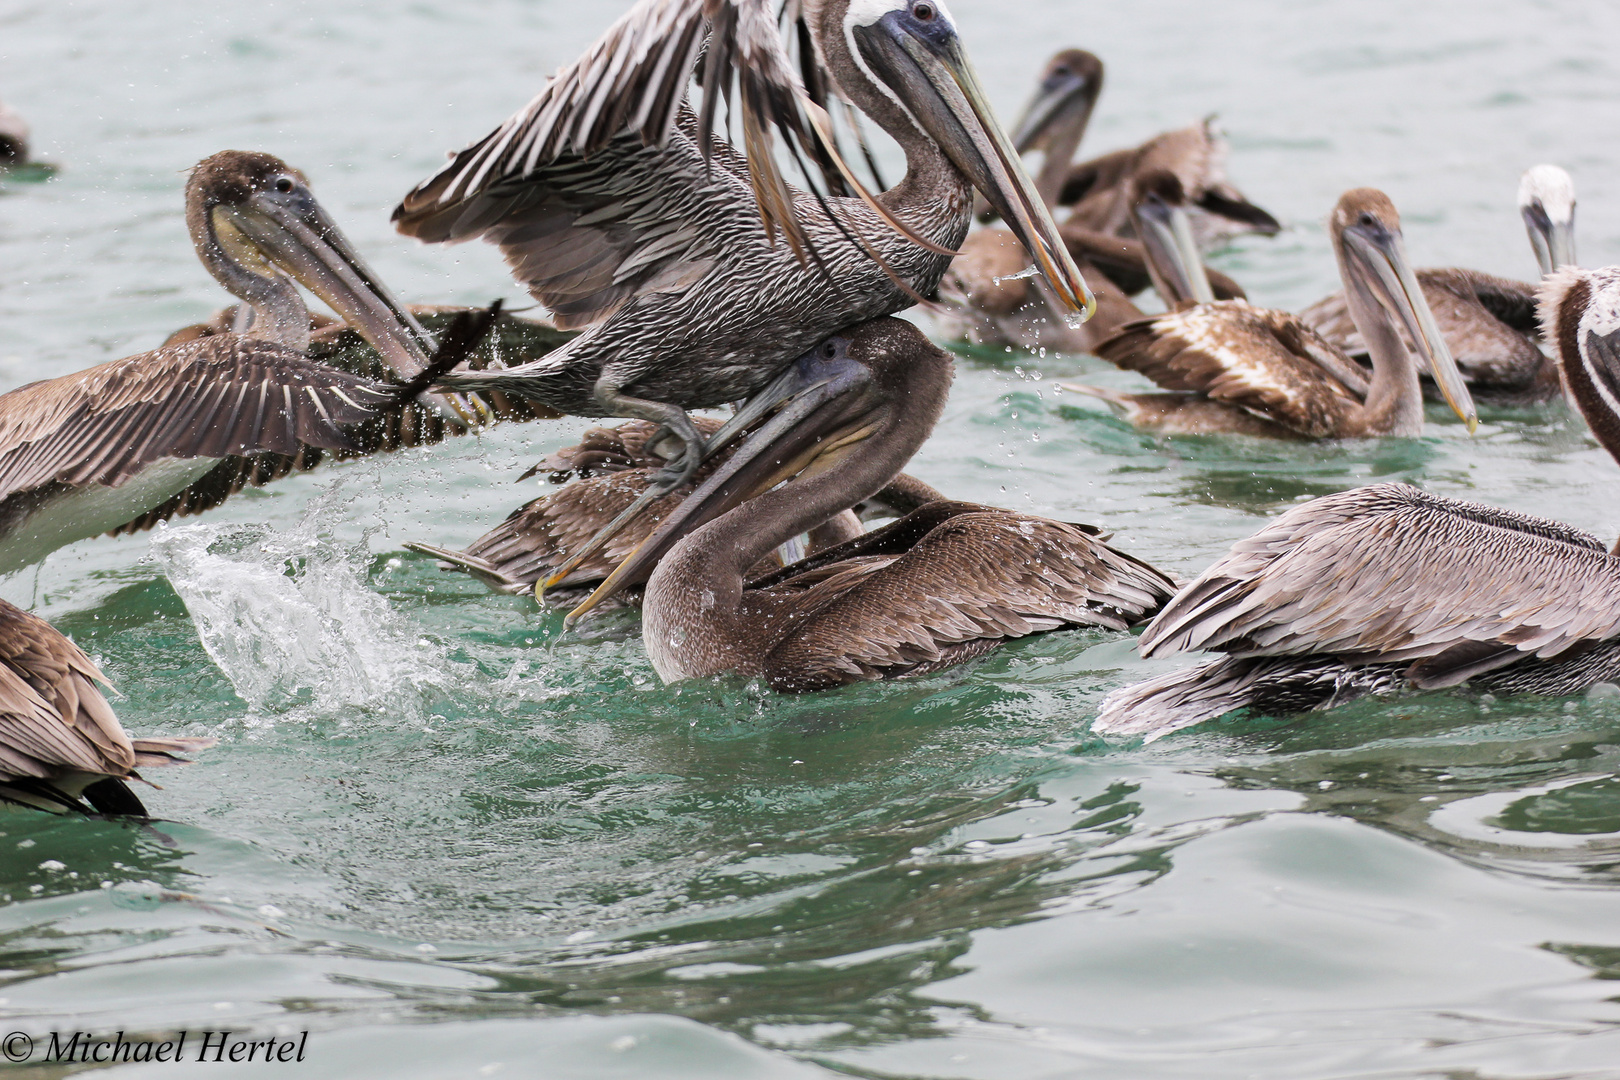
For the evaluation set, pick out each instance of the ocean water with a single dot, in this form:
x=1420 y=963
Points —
x=449 y=840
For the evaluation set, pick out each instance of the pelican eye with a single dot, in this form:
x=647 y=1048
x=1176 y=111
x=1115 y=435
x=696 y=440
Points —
x=923 y=12
x=1367 y=219
x=284 y=184
x=828 y=351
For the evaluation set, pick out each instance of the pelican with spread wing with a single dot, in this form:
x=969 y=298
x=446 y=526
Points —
x=699 y=272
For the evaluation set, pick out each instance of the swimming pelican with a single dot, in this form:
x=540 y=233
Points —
x=1489 y=322
x=1099 y=190
x=700 y=273
x=1056 y=119
x=124 y=444
x=1237 y=368
x=608 y=471
x=1387 y=587
x=948 y=582
x=61 y=747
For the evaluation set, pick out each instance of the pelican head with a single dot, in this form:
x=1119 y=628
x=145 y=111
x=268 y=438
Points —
x=256 y=225
x=1159 y=206
x=857 y=402
x=1547 y=204
x=1065 y=97
x=1372 y=260
x=906 y=55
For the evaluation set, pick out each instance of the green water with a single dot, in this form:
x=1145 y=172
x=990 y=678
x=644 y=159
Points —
x=451 y=841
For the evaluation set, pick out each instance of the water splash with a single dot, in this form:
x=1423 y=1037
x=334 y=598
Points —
x=1027 y=272
x=288 y=616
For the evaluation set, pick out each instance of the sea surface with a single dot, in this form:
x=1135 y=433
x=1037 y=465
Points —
x=450 y=840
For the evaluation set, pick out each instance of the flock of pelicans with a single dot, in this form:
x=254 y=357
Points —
x=682 y=274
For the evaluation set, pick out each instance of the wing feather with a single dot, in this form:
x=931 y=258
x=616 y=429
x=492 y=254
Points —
x=103 y=425
x=52 y=716
x=1394 y=573
x=982 y=576
x=1264 y=362
x=624 y=95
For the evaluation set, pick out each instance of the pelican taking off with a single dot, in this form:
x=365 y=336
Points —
x=127 y=442
x=1386 y=586
x=947 y=582
x=701 y=274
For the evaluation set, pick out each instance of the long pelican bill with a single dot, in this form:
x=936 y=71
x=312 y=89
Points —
x=1547 y=204
x=292 y=230
x=783 y=388
x=825 y=411
x=1381 y=271
x=1167 y=234
x=1553 y=241
x=925 y=66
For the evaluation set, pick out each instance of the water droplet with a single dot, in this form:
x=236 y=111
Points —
x=1026 y=272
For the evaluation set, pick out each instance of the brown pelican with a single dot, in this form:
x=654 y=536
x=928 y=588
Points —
x=1056 y=118
x=619 y=210
x=61 y=747
x=1489 y=322
x=1099 y=190
x=947 y=582
x=1386 y=586
x=610 y=470
x=1237 y=368
x=988 y=293
x=121 y=445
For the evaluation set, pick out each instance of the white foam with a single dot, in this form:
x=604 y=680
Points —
x=289 y=619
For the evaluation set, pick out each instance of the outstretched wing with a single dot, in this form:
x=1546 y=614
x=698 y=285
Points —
x=542 y=184
x=1264 y=362
x=979 y=578
x=210 y=398
x=1394 y=573
x=376 y=417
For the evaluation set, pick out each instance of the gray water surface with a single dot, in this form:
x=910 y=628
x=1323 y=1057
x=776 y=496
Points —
x=452 y=841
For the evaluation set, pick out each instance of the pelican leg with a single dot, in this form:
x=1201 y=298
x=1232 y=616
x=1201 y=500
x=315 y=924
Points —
x=676 y=426
x=675 y=422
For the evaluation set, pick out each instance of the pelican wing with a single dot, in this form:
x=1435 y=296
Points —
x=979 y=578
x=1512 y=303
x=53 y=718
x=1099 y=190
x=208 y=398
x=1392 y=573
x=1262 y=361
x=622 y=96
